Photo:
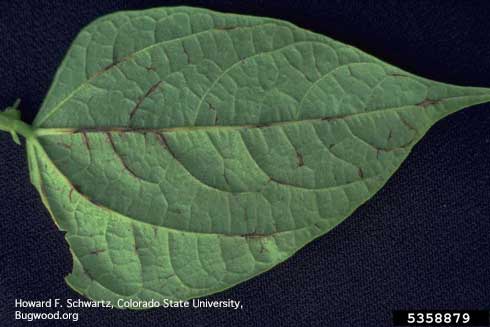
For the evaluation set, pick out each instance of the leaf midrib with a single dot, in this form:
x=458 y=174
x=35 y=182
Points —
x=56 y=131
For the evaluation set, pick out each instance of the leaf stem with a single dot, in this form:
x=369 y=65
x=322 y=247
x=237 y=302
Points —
x=10 y=122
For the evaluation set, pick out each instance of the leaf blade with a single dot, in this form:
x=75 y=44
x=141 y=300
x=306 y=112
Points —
x=146 y=146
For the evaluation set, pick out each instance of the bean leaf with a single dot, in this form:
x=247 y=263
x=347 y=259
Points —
x=184 y=151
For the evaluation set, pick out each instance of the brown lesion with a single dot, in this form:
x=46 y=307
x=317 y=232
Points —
x=210 y=106
x=255 y=235
x=103 y=70
x=71 y=193
x=227 y=28
x=360 y=172
x=163 y=142
x=120 y=157
x=226 y=178
x=114 y=63
x=408 y=125
x=263 y=125
x=65 y=145
x=152 y=89
x=75 y=187
x=331 y=118
x=272 y=179
x=97 y=251
x=428 y=102
x=350 y=70
x=213 y=109
x=86 y=140
x=397 y=75
x=186 y=54
x=262 y=247
x=300 y=159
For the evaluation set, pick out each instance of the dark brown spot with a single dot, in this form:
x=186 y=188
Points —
x=66 y=146
x=350 y=70
x=97 y=251
x=210 y=106
x=330 y=118
x=262 y=248
x=141 y=99
x=428 y=102
x=86 y=141
x=263 y=125
x=187 y=55
x=397 y=75
x=301 y=161
x=163 y=141
x=406 y=123
x=103 y=70
x=121 y=159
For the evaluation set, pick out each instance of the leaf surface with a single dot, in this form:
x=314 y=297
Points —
x=184 y=151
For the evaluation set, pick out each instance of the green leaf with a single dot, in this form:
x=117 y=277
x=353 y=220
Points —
x=184 y=151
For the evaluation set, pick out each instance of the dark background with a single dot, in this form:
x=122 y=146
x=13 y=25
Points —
x=421 y=242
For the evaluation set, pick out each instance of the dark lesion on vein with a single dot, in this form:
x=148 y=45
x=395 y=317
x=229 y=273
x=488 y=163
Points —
x=127 y=129
x=262 y=125
x=186 y=54
x=397 y=75
x=85 y=140
x=152 y=89
x=103 y=70
x=76 y=188
x=65 y=145
x=120 y=157
x=428 y=102
x=70 y=194
x=163 y=142
x=390 y=134
x=331 y=118
x=227 y=28
x=97 y=251
x=254 y=235
x=299 y=157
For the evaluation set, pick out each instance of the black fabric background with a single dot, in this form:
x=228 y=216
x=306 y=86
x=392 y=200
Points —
x=421 y=242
